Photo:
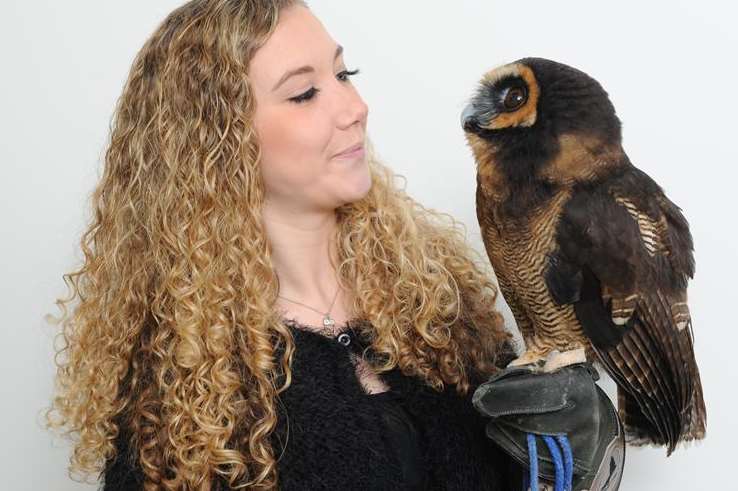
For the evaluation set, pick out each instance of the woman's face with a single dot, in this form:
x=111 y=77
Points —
x=300 y=139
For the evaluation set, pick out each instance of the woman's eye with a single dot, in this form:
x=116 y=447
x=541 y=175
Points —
x=347 y=74
x=307 y=95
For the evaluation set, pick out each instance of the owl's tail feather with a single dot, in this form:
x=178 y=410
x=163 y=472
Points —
x=639 y=430
x=678 y=348
x=659 y=390
x=695 y=424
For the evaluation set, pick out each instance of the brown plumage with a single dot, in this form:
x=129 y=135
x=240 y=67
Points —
x=588 y=250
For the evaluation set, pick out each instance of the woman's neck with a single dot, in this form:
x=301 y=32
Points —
x=304 y=256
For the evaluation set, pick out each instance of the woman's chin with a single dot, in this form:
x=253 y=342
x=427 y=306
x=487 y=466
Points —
x=357 y=186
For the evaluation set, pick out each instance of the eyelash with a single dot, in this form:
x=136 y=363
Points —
x=312 y=90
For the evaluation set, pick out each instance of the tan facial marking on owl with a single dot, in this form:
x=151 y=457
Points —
x=494 y=76
x=526 y=114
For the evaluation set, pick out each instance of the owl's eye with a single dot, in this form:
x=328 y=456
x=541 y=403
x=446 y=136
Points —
x=514 y=98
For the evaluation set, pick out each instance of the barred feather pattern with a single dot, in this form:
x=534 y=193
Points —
x=651 y=230
x=517 y=250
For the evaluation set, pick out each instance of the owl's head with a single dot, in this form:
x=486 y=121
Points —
x=540 y=99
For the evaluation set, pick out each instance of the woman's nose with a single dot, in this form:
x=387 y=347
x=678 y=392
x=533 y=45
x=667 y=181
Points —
x=352 y=109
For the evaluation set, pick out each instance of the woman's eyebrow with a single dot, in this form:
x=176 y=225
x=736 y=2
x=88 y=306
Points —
x=303 y=69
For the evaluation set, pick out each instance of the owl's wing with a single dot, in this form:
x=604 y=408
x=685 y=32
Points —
x=624 y=259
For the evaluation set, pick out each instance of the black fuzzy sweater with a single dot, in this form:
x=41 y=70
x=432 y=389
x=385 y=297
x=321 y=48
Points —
x=336 y=440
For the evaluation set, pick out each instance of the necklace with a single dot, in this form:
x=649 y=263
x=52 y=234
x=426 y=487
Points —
x=328 y=322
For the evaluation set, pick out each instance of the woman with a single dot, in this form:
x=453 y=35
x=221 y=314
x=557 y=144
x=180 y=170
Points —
x=260 y=305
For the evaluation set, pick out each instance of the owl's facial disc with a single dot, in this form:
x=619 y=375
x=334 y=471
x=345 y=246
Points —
x=507 y=97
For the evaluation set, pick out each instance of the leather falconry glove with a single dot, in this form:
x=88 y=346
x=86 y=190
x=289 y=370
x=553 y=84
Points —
x=556 y=422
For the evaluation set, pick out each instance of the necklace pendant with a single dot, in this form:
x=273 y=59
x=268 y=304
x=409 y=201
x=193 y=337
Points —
x=327 y=321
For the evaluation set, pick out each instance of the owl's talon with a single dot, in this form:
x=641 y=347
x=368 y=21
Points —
x=527 y=358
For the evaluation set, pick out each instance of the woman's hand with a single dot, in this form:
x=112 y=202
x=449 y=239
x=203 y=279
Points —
x=557 y=423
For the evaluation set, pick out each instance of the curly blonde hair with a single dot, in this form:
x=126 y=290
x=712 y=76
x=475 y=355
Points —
x=172 y=334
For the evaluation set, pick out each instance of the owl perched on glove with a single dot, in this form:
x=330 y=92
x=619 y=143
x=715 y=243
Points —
x=588 y=250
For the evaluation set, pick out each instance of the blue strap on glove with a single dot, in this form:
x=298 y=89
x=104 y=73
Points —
x=560 y=450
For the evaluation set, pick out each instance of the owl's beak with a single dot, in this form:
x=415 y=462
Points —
x=469 y=119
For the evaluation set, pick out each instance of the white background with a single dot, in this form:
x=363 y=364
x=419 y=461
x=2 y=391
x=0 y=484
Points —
x=669 y=67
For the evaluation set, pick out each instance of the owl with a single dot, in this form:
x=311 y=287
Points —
x=587 y=249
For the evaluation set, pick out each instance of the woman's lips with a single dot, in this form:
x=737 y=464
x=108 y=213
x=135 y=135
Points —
x=357 y=151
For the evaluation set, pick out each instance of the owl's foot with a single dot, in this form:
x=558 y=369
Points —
x=528 y=358
x=557 y=359
x=551 y=361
